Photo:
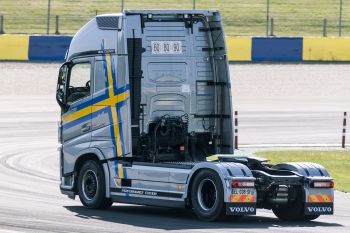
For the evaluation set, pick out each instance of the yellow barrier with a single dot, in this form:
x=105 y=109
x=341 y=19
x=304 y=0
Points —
x=14 y=47
x=326 y=49
x=239 y=48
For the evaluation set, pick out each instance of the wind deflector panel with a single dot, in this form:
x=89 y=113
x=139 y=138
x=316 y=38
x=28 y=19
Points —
x=135 y=74
x=108 y=22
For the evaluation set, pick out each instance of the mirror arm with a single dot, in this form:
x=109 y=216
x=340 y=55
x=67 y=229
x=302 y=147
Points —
x=61 y=104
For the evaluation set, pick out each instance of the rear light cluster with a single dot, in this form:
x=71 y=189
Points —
x=242 y=183
x=322 y=184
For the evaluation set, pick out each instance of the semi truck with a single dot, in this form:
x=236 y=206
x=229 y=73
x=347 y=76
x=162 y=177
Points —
x=146 y=118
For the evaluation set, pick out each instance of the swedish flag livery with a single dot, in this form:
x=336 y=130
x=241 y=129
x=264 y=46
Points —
x=111 y=102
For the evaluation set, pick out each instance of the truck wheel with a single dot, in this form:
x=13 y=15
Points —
x=293 y=211
x=207 y=196
x=92 y=187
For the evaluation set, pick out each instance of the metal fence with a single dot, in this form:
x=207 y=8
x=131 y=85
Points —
x=240 y=17
x=291 y=129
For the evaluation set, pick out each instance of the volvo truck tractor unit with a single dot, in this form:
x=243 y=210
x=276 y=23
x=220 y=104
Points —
x=145 y=99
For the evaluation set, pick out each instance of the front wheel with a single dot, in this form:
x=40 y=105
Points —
x=207 y=196
x=92 y=187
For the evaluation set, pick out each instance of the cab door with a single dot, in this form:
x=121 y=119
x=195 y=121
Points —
x=111 y=107
x=76 y=121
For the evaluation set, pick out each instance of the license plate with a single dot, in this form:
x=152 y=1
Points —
x=243 y=191
x=166 y=47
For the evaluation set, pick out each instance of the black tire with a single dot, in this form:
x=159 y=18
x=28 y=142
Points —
x=92 y=187
x=207 y=196
x=293 y=211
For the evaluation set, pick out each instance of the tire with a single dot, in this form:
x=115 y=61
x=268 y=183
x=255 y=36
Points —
x=293 y=211
x=207 y=196
x=92 y=187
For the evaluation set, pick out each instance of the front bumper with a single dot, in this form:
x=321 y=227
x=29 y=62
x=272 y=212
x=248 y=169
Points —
x=69 y=192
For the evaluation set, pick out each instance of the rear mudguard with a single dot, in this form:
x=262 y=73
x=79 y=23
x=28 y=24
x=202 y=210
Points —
x=317 y=200
x=236 y=203
x=304 y=168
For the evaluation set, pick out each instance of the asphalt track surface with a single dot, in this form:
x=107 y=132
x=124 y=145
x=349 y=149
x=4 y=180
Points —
x=30 y=200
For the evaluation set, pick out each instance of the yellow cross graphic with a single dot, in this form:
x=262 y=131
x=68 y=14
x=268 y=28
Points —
x=110 y=102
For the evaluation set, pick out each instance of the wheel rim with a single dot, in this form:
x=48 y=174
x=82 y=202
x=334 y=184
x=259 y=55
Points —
x=89 y=185
x=207 y=194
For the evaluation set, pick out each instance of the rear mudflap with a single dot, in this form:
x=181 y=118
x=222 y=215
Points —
x=319 y=201
x=240 y=208
x=242 y=202
x=318 y=208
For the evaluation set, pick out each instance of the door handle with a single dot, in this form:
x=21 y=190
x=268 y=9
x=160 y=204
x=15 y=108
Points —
x=85 y=127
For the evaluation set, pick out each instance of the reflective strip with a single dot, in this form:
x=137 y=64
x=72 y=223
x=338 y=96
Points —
x=118 y=181
x=320 y=198
x=120 y=171
x=212 y=158
x=242 y=198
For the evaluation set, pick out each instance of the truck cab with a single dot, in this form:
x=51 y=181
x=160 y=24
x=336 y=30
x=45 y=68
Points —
x=145 y=101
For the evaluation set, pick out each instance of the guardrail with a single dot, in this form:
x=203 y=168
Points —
x=240 y=49
x=290 y=129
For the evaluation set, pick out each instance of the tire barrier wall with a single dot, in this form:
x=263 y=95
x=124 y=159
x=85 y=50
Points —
x=240 y=49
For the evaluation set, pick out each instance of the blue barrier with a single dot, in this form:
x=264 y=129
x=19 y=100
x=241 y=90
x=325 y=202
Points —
x=280 y=49
x=48 y=48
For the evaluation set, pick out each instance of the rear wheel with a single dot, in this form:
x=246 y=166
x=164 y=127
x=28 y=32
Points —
x=293 y=211
x=92 y=187
x=207 y=196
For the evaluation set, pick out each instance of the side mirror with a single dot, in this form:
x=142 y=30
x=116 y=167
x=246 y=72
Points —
x=61 y=87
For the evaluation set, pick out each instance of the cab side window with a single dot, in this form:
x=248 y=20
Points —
x=79 y=82
x=100 y=79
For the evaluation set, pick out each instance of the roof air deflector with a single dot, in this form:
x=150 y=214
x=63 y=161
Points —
x=108 y=22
